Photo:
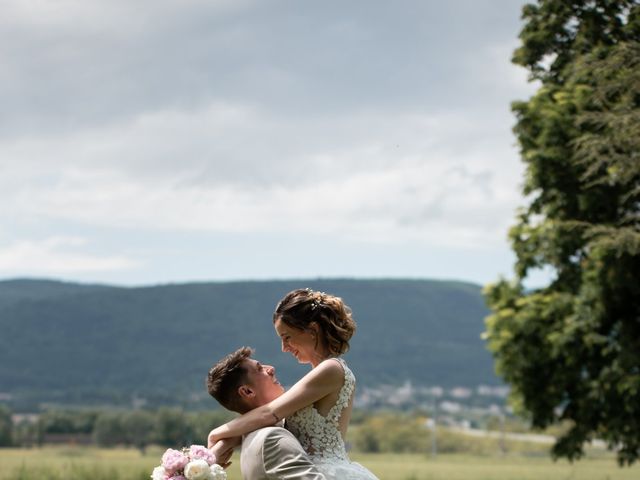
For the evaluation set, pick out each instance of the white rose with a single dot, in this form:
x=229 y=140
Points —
x=198 y=470
x=159 y=473
x=217 y=472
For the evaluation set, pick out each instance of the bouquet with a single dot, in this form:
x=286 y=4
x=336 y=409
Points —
x=193 y=463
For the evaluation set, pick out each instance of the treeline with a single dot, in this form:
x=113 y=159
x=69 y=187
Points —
x=396 y=432
x=168 y=427
x=112 y=345
x=370 y=432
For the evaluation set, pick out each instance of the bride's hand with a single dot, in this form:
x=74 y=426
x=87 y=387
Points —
x=213 y=438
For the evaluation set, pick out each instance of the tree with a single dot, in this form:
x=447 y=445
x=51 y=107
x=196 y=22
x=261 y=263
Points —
x=67 y=421
x=571 y=349
x=110 y=429
x=172 y=428
x=6 y=427
x=204 y=421
x=26 y=433
x=139 y=428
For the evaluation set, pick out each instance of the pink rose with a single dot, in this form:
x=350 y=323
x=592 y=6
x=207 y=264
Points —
x=174 y=460
x=203 y=453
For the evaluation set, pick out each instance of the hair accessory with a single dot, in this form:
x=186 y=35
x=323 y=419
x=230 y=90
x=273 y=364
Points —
x=318 y=301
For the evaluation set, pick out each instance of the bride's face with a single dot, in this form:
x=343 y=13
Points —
x=300 y=343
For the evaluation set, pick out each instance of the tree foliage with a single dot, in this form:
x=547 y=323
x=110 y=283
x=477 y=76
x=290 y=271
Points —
x=571 y=350
x=6 y=427
x=67 y=421
x=115 y=427
x=110 y=430
x=139 y=426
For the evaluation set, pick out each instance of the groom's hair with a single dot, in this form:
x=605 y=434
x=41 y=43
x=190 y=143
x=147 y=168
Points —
x=226 y=376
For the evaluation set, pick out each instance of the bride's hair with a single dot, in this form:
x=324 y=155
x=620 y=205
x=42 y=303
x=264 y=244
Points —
x=301 y=307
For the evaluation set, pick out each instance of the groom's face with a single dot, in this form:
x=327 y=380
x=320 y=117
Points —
x=262 y=381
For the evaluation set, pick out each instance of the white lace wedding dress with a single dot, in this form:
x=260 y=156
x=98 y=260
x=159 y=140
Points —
x=320 y=436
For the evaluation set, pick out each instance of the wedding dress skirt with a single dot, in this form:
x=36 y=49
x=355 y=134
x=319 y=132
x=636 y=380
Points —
x=340 y=469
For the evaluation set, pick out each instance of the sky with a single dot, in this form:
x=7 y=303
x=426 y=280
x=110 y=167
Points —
x=167 y=141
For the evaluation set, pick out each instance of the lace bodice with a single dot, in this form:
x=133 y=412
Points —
x=319 y=435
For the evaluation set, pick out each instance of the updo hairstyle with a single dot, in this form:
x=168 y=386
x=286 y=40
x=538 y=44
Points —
x=301 y=307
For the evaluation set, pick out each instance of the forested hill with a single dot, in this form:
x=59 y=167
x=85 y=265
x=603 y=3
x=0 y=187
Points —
x=63 y=337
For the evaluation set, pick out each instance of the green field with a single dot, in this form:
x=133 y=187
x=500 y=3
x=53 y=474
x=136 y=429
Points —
x=87 y=463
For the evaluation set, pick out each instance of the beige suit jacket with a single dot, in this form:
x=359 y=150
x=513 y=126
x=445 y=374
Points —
x=274 y=453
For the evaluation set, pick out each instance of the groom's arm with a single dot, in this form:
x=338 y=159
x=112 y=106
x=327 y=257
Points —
x=223 y=450
x=284 y=458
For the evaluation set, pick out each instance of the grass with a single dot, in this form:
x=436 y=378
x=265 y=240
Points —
x=468 y=467
x=77 y=463
x=88 y=463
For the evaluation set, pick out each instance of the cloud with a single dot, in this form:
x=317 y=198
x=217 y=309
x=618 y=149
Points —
x=370 y=122
x=368 y=175
x=108 y=60
x=57 y=255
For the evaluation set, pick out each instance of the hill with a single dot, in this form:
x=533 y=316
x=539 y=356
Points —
x=65 y=340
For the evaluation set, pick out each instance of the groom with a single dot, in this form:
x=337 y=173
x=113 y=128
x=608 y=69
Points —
x=240 y=383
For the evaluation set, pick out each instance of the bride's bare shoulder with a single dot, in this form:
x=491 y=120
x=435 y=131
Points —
x=331 y=367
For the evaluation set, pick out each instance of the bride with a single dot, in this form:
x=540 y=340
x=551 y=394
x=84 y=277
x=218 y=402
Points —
x=315 y=328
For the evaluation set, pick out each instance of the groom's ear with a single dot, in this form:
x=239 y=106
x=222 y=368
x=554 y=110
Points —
x=245 y=391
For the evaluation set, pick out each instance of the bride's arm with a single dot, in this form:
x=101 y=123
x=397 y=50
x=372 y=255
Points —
x=326 y=378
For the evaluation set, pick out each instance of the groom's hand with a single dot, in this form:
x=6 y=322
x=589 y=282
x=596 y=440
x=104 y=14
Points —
x=223 y=450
